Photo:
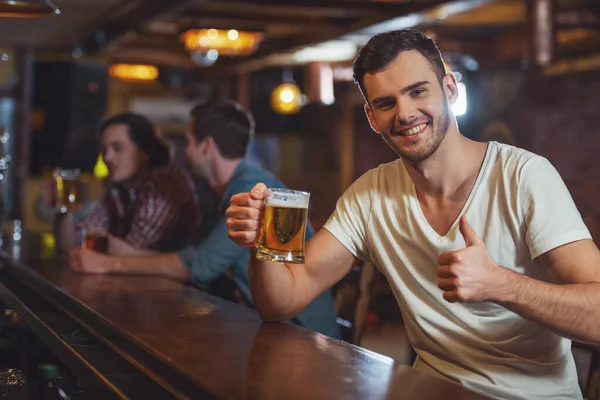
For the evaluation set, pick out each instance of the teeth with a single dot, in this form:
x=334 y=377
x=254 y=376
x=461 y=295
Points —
x=413 y=131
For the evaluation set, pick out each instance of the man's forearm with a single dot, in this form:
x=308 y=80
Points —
x=164 y=265
x=120 y=247
x=273 y=289
x=571 y=310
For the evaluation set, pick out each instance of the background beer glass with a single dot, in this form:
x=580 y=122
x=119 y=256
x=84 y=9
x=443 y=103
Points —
x=284 y=226
x=95 y=239
x=68 y=190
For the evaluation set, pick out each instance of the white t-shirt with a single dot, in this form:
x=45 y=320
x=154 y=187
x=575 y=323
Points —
x=521 y=209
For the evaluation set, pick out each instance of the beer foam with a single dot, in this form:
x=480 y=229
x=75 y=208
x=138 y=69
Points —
x=289 y=199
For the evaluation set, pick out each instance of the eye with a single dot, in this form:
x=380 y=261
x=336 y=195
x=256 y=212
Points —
x=418 y=92
x=385 y=105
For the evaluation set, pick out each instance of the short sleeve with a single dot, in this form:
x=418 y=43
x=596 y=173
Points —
x=349 y=222
x=548 y=210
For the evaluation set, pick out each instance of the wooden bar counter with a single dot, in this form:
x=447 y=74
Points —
x=197 y=346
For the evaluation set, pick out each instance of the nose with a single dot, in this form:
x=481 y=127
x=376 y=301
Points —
x=406 y=113
x=107 y=156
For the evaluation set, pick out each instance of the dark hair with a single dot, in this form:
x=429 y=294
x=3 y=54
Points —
x=142 y=133
x=227 y=122
x=383 y=48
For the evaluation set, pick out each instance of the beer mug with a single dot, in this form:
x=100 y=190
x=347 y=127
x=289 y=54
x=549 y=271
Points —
x=284 y=226
x=95 y=239
x=68 y=190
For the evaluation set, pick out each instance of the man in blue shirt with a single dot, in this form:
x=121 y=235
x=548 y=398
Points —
x=218 y=135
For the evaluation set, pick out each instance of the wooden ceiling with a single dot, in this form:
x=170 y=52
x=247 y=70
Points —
x=286 y=24
x=147 y=31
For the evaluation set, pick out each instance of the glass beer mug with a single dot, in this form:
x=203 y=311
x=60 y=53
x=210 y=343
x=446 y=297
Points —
x=68 y=190
x=284 y=226
x=95 y=239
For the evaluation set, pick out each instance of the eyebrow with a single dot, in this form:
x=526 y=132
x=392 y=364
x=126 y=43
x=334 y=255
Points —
x=376 y=101
x=112 y=143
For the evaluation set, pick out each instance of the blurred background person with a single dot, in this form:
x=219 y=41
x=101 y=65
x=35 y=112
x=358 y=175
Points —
x=148 y=204
x=218 y=136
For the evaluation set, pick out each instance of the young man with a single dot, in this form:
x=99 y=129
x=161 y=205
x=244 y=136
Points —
x=489 y=259
x=218 y=136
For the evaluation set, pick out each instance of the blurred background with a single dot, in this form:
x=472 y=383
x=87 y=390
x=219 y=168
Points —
x=528 y=72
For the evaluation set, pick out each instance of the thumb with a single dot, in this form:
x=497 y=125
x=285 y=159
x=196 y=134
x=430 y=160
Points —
x=471 y=238
x=259 y=191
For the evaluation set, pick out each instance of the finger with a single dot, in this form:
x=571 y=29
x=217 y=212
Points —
x=446 y=284
x=243 y=238
x=259 y=192
x=452 y=296
x=239 y=198
x=245 y=200
x=468 y=233
x=451 y=257
x=445 y=271
x=239 y=212
x=241 y=225
x=445 y=258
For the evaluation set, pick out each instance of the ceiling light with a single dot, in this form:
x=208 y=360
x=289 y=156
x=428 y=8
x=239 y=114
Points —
x=132 y=72
x=27 y=8
x=226 y=42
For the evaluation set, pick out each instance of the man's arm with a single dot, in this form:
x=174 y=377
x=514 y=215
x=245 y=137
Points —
x=120 y=247
x=569 y=305
x=281 y=290
x=167 y=265
x=201 y=264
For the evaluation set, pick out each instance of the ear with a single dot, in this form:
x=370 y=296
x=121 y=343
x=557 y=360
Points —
x=450 y=87
x=208 y=145
x=371 y=118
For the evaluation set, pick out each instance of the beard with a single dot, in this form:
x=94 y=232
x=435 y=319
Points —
x=439 y=126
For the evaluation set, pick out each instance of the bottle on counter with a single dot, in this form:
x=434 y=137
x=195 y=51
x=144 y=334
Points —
x=49 y=388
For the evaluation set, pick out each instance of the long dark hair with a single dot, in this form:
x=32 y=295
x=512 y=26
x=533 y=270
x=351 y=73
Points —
x=142 y=133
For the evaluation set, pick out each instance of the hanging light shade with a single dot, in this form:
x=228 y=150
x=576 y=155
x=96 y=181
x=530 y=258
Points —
x=27 y=8
x=286 y=98
x=100 y=169
x=133 y=72
x=226 y=42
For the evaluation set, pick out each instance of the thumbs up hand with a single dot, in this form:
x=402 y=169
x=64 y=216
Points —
x=469 y=275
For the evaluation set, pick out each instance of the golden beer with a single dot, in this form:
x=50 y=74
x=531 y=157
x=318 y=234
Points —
x=68 y=190
x=284 y=226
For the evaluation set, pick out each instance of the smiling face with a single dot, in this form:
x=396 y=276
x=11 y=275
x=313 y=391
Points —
x=409 y=106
